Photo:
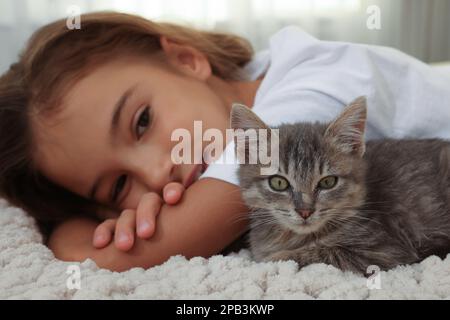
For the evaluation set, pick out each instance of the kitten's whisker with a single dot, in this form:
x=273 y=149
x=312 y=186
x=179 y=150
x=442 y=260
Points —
x=248 y=214
x=348 y=220
x=261 y=223
x=357 y=216
x=239 y=217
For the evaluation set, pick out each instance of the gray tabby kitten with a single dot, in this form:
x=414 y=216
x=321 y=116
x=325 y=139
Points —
x=339 y=201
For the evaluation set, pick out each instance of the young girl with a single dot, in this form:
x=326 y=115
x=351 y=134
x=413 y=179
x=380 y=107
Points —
x=86 y=118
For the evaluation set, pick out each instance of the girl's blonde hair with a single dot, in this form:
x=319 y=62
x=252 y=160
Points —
x=55 y=57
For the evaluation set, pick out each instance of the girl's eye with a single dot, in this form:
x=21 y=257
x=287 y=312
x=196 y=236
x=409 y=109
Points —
x=143 y=121
x=328 y=182
x=118 y=188
x=278 y=183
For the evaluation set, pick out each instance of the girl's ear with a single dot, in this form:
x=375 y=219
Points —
x=186 y=59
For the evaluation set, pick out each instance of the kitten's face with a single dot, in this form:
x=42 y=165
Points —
x=315 y=183
x=320 y=179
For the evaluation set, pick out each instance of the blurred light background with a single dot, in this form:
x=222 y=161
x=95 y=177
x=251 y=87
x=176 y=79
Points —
x=418 y=27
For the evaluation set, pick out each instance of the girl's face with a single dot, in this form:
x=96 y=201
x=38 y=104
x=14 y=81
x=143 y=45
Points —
x=114 y=130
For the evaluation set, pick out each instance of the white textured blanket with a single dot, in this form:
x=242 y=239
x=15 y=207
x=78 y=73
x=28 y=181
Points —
x=28 y=270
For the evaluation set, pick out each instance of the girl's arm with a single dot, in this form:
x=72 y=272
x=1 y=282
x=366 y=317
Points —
x=210 y=216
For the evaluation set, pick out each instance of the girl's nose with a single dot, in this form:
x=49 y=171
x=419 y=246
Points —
x=161 y=174
x=156 y=173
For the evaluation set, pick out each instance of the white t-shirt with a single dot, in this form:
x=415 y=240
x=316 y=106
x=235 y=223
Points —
x=310 y=80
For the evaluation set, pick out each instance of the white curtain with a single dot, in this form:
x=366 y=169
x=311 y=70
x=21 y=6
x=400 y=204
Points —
x=418 y=27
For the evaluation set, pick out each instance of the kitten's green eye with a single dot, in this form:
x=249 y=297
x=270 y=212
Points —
x=328 y=182
x=278 y=183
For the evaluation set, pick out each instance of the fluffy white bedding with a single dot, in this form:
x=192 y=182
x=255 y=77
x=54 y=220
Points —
x=28 y=270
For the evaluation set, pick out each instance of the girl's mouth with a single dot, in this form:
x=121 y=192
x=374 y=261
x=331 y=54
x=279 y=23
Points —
x=198 y=170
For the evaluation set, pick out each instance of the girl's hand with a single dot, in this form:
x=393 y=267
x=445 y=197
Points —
x=140 y=221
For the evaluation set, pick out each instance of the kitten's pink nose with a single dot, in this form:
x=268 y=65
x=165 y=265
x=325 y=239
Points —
x=304 y=213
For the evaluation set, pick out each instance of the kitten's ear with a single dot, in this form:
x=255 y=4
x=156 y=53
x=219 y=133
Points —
x=346 y=132
x=246 y=125
x=244 y=118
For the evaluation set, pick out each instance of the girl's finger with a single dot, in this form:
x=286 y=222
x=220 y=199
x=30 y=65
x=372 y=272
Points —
x=147 y=210
x=124 y=235
x=173 y=192
x=103 y=233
